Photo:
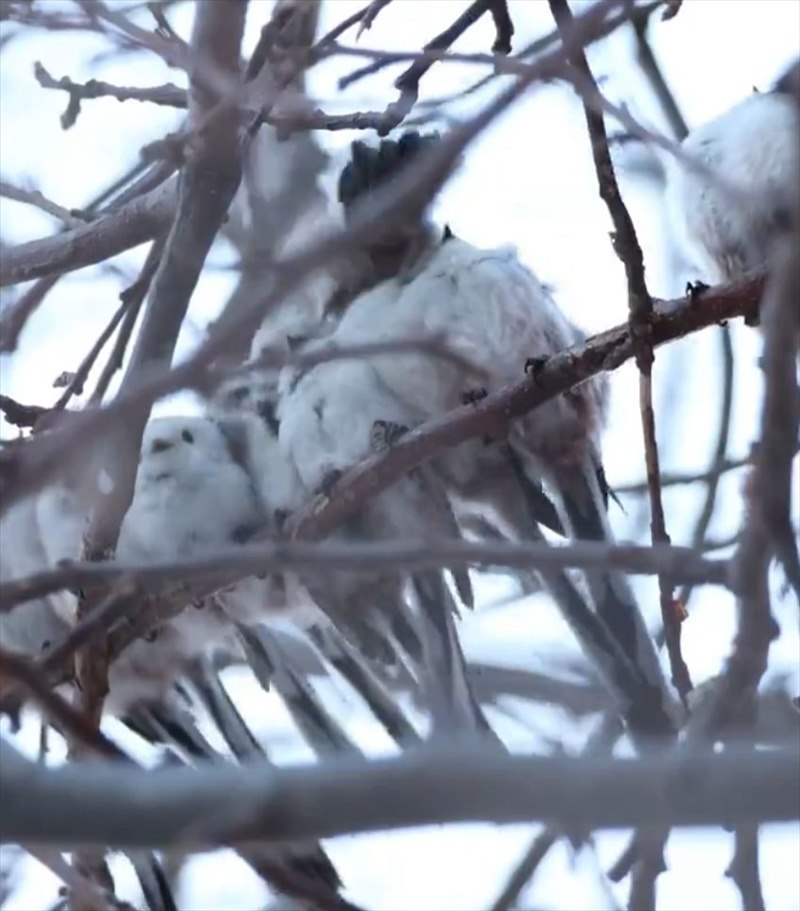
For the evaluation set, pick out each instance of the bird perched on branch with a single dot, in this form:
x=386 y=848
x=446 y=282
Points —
x=328 y=418
x=498 y=319
x=727 y=215
x=191 y=498
x=34 y=625
x=331 y=416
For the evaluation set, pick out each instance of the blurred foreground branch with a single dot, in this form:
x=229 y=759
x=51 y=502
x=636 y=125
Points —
x=94 y=803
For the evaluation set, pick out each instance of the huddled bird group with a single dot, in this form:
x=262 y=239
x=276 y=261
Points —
x=272 y=439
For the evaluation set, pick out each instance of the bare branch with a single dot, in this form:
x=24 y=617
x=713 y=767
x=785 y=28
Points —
x=408 y=82
x=38 y=199
x=134 y=298
x=744 y=868
x=405 y=193
x=503 y=25
x=266 y=556
x=15 y=669
x=130 y=225
x=767 y=530
x=121 y=806
x=600 y=744
x=652 y=71
x=561 y=372
x=168 y=95
x=640 y=307
x=138 y=180
x=370 y=15
x=76 y=383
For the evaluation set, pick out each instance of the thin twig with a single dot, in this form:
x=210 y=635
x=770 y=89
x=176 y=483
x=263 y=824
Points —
x=38 y=199
x=132 y=224
x=408 y=82
x=76 y=383
x=370 y=15
x=652 y=71
x=600 y=743
x=640 y=306
x=134 y=298
x=676 y=479
x=168 y=95
x=22 y=416
x=744 y=869
x=719 y=457
x=504 y=27
x=130 y=185
x=71 y=722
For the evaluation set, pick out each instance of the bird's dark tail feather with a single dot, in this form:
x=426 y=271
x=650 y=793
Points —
x=585 y=518
x=453 y=704
x=641 y=701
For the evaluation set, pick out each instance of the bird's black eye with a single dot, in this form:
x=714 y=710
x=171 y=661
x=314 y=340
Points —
x=266 y=410
x=187 y=436
x=240 y=393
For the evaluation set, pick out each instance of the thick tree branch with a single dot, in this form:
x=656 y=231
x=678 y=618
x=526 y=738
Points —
x=767 y=531
x=131 y=184
x=122 y=807
x=132 y=224
x=206 y=187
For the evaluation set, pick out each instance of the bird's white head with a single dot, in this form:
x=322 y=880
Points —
x=173 y=446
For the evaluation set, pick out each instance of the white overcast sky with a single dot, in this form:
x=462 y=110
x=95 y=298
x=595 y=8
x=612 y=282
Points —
x=528 y=181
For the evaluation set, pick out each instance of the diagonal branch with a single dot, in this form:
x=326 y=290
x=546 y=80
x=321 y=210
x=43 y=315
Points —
x=38 y=199
x=132 y=224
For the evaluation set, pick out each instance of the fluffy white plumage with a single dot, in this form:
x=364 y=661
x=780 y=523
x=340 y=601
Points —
x=752 y=147
x=331 y=417
x=191 y=497
x=246 y=407
x=493 y=312
x=34 y=625
x=496 y=315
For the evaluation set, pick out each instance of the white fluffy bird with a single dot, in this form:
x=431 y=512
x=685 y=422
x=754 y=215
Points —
x=191 y=497
x=35 y=625
x=331 y=418
x=753 y=149
x=495 y=314
x=341 y=398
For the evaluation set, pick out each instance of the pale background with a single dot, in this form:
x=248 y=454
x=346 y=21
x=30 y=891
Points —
x=528 y=181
